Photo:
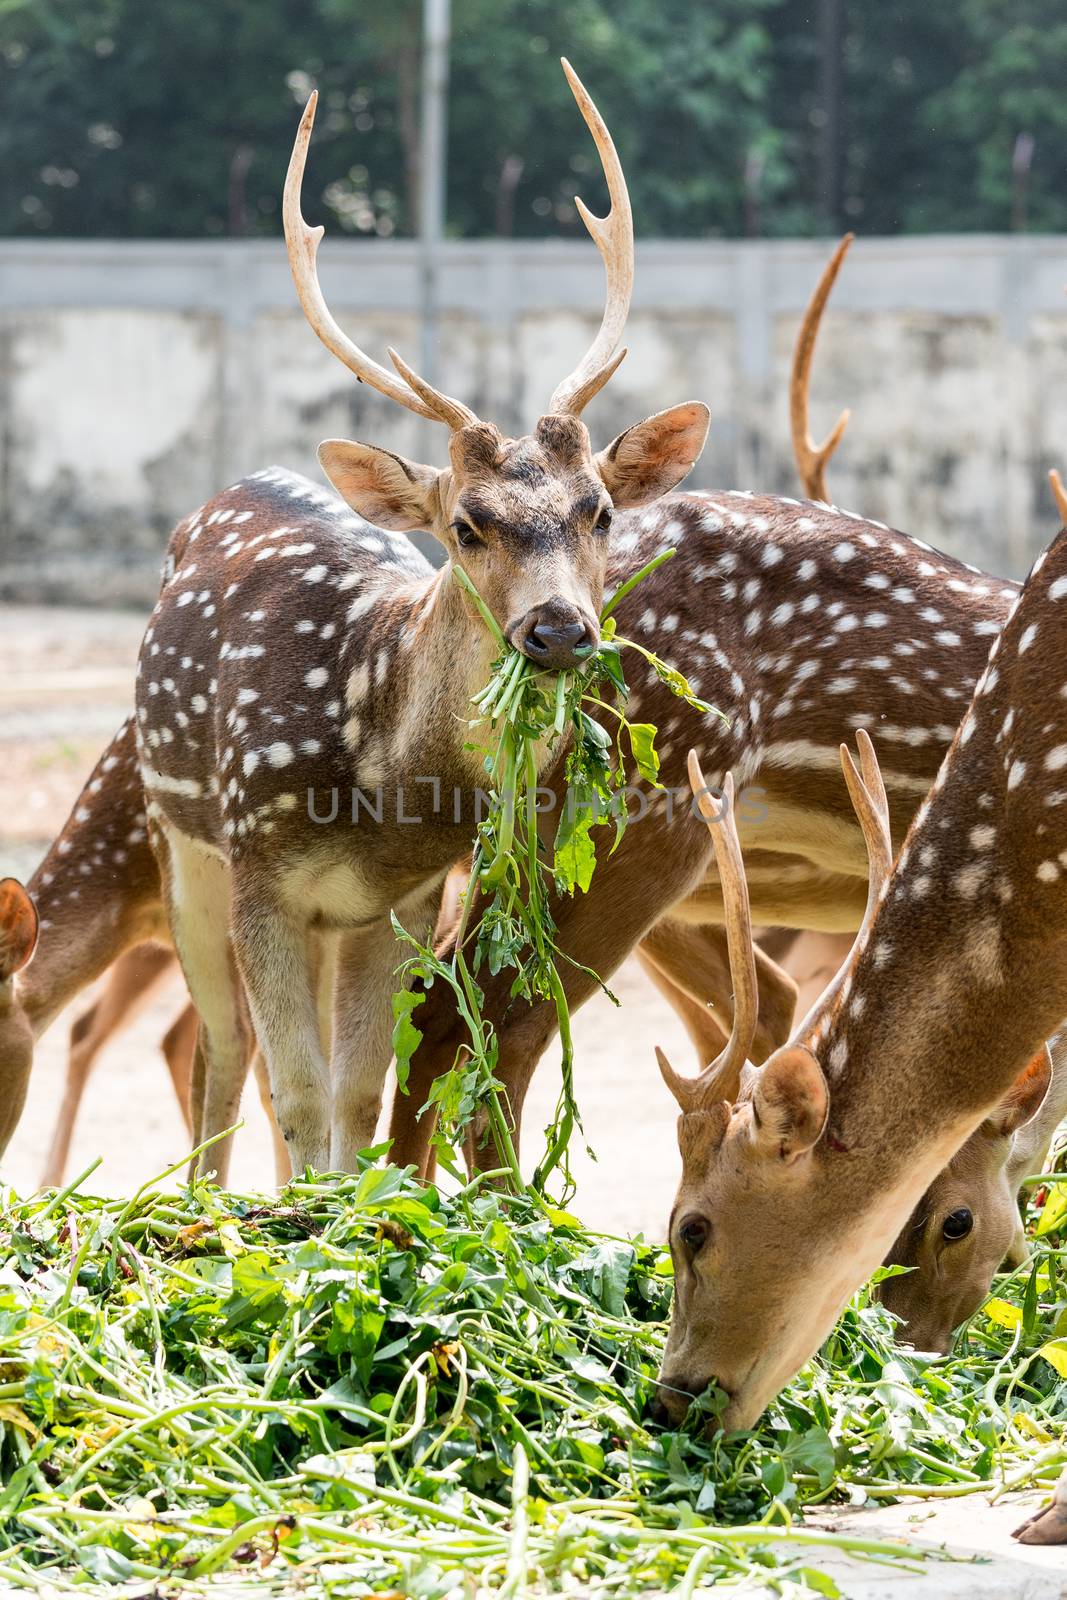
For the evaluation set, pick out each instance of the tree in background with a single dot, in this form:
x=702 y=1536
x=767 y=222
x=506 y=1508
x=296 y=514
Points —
x=684 y=88
x=126 y=118
x=1004 y=118
x=121 y=118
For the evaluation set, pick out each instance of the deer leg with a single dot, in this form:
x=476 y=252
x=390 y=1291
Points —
x=1049 y=1525
x=363 y=1026
x=130 y=984
x=197 y=890
x=707 y=1037
x=179 y=1050
x=276 y=962
x=691 y=966
x=283 y=1170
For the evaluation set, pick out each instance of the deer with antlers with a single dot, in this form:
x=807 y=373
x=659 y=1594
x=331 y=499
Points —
x=799 y=1174
x=295 y=649
x=687 y=962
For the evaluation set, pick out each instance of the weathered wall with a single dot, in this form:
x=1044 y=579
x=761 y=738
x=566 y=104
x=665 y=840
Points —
x=137 y=378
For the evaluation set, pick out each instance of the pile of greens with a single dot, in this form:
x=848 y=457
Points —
x=367 y=1386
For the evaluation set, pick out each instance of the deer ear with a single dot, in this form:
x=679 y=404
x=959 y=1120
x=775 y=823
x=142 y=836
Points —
x=655 y=455
x=387 y=490
x=1024 y=1099
x=18 y=928
x=791 y=1102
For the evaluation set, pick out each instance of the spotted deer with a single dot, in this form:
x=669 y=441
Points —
x=797 y=1176
x=968 y=1223
x=296 y=649
x=687 y=962
x=803 y=623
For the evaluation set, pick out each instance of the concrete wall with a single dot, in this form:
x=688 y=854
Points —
x=137 y=378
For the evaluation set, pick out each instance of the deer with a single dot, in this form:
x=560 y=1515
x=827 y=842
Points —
x=968 y=1225
x=675 y=954
x=798 y=1175
x=369 y=694
x=809 y=623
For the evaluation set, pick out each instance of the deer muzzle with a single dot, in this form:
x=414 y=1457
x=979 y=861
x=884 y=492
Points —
x=555 y=635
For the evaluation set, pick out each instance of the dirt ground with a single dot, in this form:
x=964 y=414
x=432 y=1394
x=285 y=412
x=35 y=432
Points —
x=66 y=682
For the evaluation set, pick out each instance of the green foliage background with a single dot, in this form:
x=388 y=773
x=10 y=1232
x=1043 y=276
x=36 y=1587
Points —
x=139 y=118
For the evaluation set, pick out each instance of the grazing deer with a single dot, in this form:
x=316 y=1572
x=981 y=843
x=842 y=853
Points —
x=96 y=894
x=798 y=1175
x=968 y=1224
x=296 y=650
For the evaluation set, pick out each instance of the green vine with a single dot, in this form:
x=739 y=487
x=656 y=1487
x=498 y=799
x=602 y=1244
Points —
x=521 y=710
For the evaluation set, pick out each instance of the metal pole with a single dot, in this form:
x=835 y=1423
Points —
x=433 y=149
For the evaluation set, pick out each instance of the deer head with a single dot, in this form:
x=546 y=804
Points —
x=772 y=1226
x=526 y=518
x=967 y=1225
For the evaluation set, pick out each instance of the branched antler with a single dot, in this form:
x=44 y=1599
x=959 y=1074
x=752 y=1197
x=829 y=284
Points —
x=871 y=805
x=613 y=236
x=303 y=244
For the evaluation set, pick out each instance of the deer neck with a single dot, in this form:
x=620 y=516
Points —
x=421 y=657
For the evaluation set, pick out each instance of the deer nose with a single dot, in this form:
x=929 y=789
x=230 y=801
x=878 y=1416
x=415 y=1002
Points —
x=670 y=1400
x=554 y=642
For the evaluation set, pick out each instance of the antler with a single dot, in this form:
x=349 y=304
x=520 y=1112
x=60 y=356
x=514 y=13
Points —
x=1059 y=494
x=871 y=805
x=811 y=458
x=613 y=236
x=303 y=245
x=720 y=1080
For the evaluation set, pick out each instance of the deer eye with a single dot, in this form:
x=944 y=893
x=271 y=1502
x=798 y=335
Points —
x=694 y=1233
x=466 y=535
x=603 y=521
x=957 y=1225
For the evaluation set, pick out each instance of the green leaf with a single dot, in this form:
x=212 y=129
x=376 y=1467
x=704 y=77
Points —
x=406 y=1037
x=257 y=1278
x=812 y=1451
x=105 y=1564
x=642 y=736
